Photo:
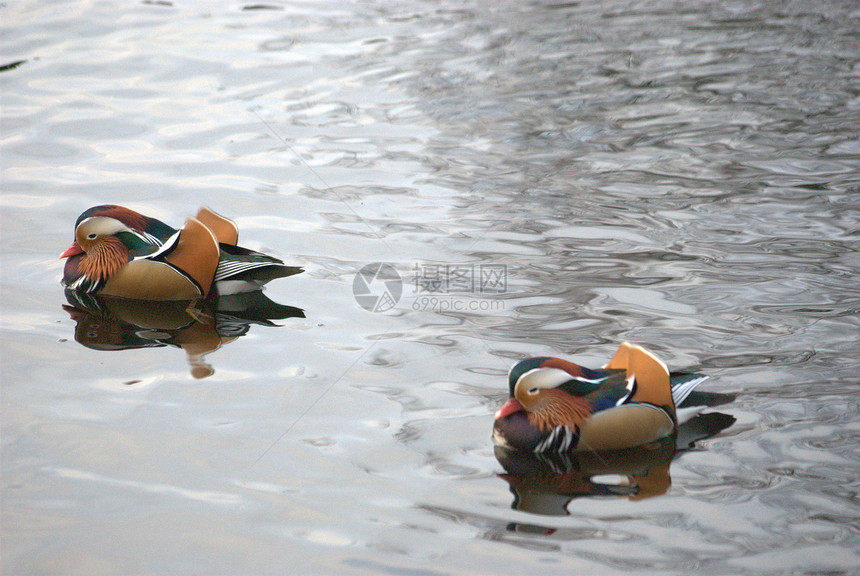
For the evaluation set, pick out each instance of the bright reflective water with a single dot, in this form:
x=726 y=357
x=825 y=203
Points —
x=543 y=177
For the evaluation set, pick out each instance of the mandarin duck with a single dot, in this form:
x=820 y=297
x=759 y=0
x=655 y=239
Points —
x=558 y=406
x=118 y=252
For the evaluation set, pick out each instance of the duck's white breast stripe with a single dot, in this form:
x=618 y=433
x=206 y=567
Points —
x=559 y=440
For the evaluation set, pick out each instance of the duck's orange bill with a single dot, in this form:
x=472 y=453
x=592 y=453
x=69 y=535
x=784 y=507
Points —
x=72 y=250
x=511 y=406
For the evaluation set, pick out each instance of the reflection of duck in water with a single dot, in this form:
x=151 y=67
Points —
x=564 y=426
x=545 y=483
x=197 y=326
x=118 y=252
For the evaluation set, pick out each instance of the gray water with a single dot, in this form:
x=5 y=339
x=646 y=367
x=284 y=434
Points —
x=544 y=178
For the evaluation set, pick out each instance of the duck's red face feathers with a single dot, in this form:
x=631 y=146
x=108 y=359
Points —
x=553 y=407
x=96 y=254
x=106 y=257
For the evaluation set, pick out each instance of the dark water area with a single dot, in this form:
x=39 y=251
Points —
x=543 y=178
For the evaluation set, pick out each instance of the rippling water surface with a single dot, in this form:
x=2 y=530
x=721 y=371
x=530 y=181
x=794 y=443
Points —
x=544 y=178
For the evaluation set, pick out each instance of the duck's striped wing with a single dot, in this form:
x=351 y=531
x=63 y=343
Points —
x=241 y=269
x=683 y=385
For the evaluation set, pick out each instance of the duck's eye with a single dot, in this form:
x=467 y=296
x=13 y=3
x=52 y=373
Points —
x=533 y=391
x=92 y=235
